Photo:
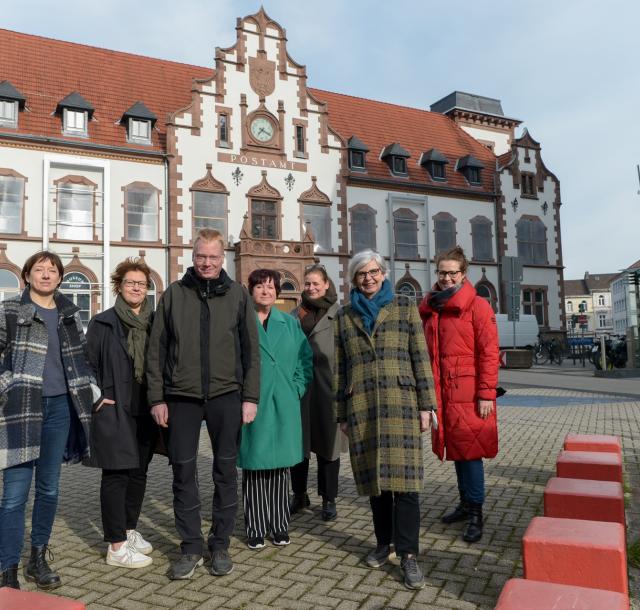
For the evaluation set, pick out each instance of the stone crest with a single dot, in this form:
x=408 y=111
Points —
x=262 y=75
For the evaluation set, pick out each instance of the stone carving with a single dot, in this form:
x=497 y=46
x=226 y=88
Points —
x=262 y=75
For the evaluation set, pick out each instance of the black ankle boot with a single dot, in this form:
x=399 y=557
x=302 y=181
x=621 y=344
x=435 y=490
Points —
x=38 y=569
x=10 y=578
x=459 y=513
x=473 y=531
x=329 y=510
x=298 y=503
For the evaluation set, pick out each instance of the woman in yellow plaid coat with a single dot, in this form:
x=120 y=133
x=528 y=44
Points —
x=384 y=400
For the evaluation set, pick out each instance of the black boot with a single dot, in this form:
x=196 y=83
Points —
x=10 y=578
x=473 y=531
x=298 y=503
x=329 y=510
x=459 y=513
x=38 y=569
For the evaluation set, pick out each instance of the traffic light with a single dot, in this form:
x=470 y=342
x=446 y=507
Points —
x=582 y=307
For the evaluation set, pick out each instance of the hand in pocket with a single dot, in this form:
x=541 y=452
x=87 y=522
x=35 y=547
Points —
x=103 y=402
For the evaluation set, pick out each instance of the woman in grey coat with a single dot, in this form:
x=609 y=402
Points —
x=320 y=432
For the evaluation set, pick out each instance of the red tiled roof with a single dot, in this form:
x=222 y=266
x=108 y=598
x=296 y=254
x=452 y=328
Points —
x=45 y=70
x=378 y=124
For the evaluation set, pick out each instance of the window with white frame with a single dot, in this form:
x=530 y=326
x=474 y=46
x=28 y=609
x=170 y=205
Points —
x=140 y=131
x=481 y=238
x=152 y=295
x=9 y=284
x=77 y=288
x=602 y=320
x=8 y=113
x=405 y=233
x=141 y=204
x=570 y=307
x=75 y=211
x=532 y=241
x=363 y=228
x=11 y=202
x=74 y=122
x=601 y=300
x=319 y=216
x=209 y=211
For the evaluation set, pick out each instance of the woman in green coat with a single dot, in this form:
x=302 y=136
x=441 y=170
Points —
x=273 y=441
x=384 y=400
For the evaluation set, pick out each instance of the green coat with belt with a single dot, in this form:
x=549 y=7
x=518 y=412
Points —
x=382 y=381
x=274 y=438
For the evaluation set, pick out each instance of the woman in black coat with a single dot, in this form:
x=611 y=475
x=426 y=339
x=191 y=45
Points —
x=123 y=434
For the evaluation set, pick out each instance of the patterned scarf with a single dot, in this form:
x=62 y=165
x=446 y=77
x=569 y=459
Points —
x=138 y=327
x=439 y=298
x=370 y=308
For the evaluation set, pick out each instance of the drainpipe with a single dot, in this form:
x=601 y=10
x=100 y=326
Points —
x=392 y=250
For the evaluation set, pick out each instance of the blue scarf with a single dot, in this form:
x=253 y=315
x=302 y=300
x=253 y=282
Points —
x=370 y=308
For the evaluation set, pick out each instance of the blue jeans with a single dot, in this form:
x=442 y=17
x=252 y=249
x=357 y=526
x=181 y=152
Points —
x=17 y=482
x=470 y=475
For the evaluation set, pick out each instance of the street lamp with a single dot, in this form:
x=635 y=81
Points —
x=514 y=204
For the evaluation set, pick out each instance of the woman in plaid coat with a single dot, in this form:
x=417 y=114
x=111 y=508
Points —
x=41 y=424
x=384 y=400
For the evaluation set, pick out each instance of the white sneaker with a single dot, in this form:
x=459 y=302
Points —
x=138 y=543
x=127 y=557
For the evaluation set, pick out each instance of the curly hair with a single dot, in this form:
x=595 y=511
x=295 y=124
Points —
x=129 y=264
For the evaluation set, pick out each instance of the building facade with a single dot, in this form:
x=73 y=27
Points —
x=105 y=155
x=588 y=303
x=625 y=295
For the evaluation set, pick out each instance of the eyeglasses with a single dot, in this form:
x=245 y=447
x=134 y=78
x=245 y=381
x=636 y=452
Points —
x=372 y=273
x=132 y=283
x=451 y=274
x=201 y=258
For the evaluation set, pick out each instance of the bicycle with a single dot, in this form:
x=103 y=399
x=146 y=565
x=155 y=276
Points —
x=547 y=351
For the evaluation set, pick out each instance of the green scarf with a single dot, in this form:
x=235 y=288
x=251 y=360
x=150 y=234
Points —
x=138 y=327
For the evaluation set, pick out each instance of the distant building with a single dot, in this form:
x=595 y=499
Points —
x=588 y=304
x=105 y=155
x=625 y=296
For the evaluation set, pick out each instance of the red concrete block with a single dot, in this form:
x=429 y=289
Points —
x=576 y=552
x=584 y=499
x=12 y=599
x=593 y=465
x=519 y=594
x=605 y=443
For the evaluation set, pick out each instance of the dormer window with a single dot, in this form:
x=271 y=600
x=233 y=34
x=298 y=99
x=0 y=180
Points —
x=357 y=154
x=76 y=114
x=11 y=102
x=139 y=121
x=75 y=122
x=470 y=167
x=396 y=157
x=434 y=162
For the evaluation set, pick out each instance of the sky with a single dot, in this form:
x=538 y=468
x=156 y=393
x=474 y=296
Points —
x=568 y=70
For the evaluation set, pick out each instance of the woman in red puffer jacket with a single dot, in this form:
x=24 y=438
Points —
x=462 y=338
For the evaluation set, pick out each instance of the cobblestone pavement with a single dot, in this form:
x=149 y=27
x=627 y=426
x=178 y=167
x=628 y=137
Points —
x=322 y=568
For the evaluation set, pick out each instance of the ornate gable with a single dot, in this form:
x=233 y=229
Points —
x=314 y=194
x=264 y=190
x=209 y=183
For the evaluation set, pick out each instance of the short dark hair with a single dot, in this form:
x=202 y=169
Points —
x=129 y=264
x=260 y=276
x=43 y=255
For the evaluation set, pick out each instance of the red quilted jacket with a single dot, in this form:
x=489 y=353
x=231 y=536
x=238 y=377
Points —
x=462 y=339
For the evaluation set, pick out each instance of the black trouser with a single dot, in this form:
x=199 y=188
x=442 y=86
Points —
x=122 y=491
x=396 y=518
x=328 y=471
x=223 y=416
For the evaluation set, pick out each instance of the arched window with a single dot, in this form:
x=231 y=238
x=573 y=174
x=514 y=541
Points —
x=486 y=290
x=9 y=284
x=407 y=289
x=76 y=200
x=77 y=288
x=287 y=285
x=444 y=228
x=11 y=201
x=405 y=233
x=601 y=300
x=532 y=240
x=141 y=204
x=363 y=227
x=481 y=238
x=151 y=294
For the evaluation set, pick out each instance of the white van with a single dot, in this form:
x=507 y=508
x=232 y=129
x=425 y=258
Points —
x=526 y=331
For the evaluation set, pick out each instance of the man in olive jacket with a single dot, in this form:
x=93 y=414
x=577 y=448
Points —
x=203 y=363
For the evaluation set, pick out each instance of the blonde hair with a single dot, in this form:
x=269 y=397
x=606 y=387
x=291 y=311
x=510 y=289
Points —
x=208 y=235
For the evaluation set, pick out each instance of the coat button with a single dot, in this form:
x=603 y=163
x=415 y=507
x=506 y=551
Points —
x=69 y=369
x=20 y=320
x=64 y=344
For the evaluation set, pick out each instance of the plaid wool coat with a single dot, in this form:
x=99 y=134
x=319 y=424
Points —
x=382 y=381
x=23 y=347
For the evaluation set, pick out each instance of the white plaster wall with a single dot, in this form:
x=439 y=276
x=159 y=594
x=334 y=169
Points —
x=500 y=140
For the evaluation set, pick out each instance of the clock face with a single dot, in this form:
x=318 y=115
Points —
x=262 y=129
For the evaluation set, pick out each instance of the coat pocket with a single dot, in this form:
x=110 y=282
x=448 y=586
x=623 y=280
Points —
x=406 y=381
